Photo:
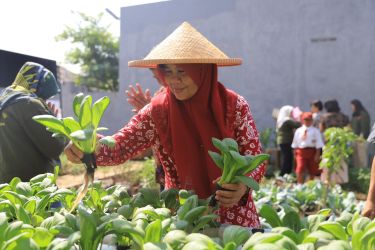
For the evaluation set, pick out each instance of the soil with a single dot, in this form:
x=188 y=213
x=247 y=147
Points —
x=71 y=178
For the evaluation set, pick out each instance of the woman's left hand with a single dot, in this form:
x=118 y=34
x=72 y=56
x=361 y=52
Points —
x=233 y=196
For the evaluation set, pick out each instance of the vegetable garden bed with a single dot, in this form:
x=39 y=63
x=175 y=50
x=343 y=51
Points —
x=34 y=215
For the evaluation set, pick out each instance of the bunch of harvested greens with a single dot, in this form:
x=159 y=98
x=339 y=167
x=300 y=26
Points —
x=82 y=131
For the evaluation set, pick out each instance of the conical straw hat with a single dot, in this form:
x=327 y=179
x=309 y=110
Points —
x=185 y=45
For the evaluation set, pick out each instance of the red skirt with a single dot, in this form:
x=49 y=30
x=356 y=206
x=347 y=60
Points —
x=305 y=160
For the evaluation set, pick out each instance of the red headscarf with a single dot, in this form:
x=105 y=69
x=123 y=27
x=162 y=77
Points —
x=186 y=127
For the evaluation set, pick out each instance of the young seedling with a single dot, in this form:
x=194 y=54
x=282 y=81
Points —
x=235 y=166
x=82 y=131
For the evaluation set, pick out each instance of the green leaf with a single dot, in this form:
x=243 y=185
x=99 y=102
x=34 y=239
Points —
x=22 y=214
x=286 y=243
x=98 y=109
x=220 y=145
x=77 y=103
x=248 y=181
x=56 y=219
x=306 y=246
x=337 y=244
x=230 y=246
x=287 y=232
x=38 y=178
x=13 y=229
x=153 y=231
x=126 y=211
x=240 y=160
x=217 y=158
x=71 y=125
x=170 y=197
x=21 y=242
x=335 y=229
x=253 y=162
x=368 y=239
x=265 y=246
x=85 y=113
x=87 y=229
x=52 y=123
x=108 y=140
x=24 y=188
x=156 y=246
x=203 y=221
x=319 y=238
x=13 y=183
x=175 y=238
x=122 y=226
x=82 y=135
x=292 y=220
x=344 y=218
x=270 y=215
x=42 y=237
x=236 y=234
x=42 y=204
x=194 y=214
x=231 y=144
x=259 y=238
x=8 y=207
x=325 y=212
x=14 y=197
x=3 y=225
x=314 y=221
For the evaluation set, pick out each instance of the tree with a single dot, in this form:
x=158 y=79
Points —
x=96 y=51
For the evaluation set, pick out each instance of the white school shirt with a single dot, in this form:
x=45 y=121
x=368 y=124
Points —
x=313 y=138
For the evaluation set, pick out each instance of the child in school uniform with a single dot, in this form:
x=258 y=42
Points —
x=307 y=144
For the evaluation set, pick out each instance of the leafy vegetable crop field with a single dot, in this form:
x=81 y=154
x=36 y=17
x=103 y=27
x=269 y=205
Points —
x=35 y=215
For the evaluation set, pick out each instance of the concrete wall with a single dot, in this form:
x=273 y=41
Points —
x=293 y=51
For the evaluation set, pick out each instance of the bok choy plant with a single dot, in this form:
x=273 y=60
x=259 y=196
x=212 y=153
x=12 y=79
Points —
x=235 y=166
x=82 y=131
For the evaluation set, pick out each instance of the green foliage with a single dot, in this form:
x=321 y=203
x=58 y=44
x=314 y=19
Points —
x=82 y=129
x=96 y=52
x=359 y=180
x=337 y=148
x=235 y=166
x=28 y=221
x=267 y=138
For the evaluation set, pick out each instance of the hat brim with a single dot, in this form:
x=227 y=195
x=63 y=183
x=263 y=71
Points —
x=152 y=63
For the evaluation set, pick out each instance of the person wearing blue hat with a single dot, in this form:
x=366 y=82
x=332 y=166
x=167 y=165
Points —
x=26 y=148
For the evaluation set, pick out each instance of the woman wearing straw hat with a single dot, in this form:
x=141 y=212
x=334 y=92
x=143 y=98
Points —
x=181 y=121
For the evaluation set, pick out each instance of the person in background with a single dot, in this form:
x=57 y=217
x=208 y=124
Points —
x=285 y=127
x=333 y=116
x=360 y=121
x=182 y=120
x=369 y=209
x=307 y=144
x=371 y=146
x=26 y=147
x=316 y=108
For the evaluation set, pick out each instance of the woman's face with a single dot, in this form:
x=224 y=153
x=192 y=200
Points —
x=178 y=81
x=314 y=109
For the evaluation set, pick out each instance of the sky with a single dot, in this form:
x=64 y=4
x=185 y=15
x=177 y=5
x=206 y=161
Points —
x=30 y=27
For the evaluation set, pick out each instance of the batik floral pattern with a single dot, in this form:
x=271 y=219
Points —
x=142 y=134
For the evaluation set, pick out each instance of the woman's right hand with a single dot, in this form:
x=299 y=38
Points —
x=73 y=153
x=137 y=98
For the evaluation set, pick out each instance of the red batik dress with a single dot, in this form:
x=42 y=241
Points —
x=140 y=133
